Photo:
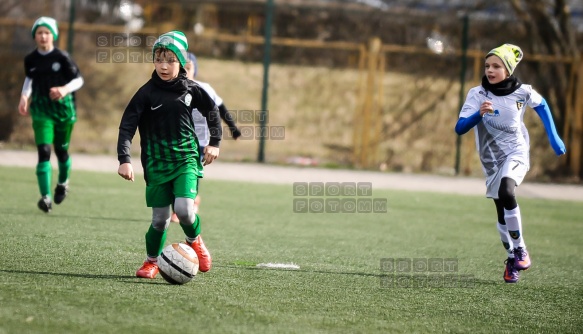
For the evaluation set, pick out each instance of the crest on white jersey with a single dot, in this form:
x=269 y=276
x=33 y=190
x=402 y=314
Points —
x=56 y=66
x=188 y=99
x=519 y=104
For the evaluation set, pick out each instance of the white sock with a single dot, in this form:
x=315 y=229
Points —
x=505 y=238
x=514 y=226
x=152 y=259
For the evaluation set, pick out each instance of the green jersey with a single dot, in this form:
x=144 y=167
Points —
x=53 y=69
x=162 y=112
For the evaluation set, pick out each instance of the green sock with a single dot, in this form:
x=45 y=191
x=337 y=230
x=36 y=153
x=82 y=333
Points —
x=43 y=176
x=64 y=171
x=193 y=230
x=155 y=241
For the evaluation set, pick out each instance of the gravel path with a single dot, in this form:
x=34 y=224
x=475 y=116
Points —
x=264 y=173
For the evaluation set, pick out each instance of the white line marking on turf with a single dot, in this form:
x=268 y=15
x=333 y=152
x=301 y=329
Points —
x=278 y=265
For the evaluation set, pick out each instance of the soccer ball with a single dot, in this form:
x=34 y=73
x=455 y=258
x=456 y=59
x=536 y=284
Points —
x=178 y=263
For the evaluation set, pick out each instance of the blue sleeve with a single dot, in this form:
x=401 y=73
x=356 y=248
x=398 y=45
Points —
x=544 y=113
x=464 y=124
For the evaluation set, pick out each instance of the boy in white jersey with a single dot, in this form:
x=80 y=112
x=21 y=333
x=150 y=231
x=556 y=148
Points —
x=495 y=110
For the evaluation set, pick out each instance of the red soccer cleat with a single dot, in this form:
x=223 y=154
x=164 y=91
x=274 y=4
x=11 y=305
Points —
x=148 y=270
x=204 y=256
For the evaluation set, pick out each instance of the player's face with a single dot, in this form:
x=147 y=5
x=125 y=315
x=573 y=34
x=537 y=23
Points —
x=43 y=38
x=166 y=64
x=495 y=70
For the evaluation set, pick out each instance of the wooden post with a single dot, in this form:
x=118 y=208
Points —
x=357 y=119
x=378 y=110
x=468 y=149
x=63 y=38
x=368 y=113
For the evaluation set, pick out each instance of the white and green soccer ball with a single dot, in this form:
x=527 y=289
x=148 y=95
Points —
x=178 y=263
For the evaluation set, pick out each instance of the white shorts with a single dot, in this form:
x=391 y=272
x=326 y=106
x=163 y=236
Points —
x=512 y=169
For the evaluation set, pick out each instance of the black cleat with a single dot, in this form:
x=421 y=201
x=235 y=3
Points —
x=45 y=204
x=61 y=192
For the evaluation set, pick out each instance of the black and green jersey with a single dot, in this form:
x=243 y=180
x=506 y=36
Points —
x=162 y=112
x=54 y=69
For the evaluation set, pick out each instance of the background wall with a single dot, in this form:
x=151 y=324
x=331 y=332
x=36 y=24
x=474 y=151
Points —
x=346 y=90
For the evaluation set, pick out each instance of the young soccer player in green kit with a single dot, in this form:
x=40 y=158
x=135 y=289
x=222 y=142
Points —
x=162 y=111
x=51 y=78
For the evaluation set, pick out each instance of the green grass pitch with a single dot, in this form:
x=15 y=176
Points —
x=72 y=271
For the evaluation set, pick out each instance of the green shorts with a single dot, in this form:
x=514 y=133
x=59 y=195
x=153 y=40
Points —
x=161 y=195
x=49 y=132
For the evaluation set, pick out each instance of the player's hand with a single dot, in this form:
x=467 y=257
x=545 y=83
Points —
x=23 y=106
x=210 y=154
x=57 y=93
x=559 y=147
x=236 y=134
x=486 y=107
x=126 y=170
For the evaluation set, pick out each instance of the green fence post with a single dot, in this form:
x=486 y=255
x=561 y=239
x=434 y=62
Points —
x=266 y=62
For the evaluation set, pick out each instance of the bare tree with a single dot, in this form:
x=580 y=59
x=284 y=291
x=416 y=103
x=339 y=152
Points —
x=8 y=5
x=550 y=31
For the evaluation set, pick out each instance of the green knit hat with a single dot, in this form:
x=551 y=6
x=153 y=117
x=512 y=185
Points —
x=48 y=22
x=174 y=41
x=510 y=54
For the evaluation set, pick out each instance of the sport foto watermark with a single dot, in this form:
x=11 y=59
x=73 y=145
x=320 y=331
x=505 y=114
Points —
x=124 y=48
x=423 y=273
x=248 y=116
x=257 y=132
x=247 y=121
x=336 y=197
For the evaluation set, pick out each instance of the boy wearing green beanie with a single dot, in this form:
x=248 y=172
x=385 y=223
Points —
x=161 y=110
x=51 y=79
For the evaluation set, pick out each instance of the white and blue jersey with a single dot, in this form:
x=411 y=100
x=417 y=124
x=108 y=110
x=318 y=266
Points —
x=200 y=125
x=501 y=135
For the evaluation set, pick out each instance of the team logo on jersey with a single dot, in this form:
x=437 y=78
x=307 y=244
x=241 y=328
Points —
x=56 y=67
x=188 y=99
x=493 y=113
x=519 y=104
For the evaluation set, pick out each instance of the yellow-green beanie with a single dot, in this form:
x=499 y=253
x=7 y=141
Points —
x=510 y=54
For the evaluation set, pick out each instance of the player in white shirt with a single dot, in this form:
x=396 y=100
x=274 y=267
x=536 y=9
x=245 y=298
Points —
x=495 y=111
x=200 y=125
